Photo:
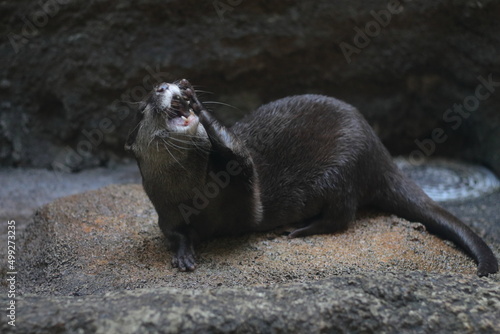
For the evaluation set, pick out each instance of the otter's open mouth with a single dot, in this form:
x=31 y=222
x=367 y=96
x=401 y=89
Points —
x=177 y=100
x=180 y=108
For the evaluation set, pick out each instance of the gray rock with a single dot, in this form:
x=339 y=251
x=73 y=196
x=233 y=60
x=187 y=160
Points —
x=362 y=303
x=97 y=262
x=70 y=75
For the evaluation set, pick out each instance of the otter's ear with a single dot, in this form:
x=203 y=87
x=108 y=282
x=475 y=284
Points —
x=133 y=133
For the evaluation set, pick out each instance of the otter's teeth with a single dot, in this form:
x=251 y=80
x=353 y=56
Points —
x=184 y=118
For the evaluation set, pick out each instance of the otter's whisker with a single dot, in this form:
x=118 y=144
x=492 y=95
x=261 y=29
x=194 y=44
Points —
x=221 y=103
x=173 y=157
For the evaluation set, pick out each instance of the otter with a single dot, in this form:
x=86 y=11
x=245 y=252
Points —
x=307 y=160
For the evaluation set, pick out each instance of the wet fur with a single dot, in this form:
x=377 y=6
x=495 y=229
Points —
x=309 y=159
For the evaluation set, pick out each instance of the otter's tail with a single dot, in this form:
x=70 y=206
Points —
x=404 y=198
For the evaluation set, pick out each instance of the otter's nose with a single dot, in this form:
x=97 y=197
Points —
x=162 y=88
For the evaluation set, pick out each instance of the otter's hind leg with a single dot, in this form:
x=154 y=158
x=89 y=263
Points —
x=335 y=217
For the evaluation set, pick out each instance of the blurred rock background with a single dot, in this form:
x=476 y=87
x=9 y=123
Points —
x=72 y=70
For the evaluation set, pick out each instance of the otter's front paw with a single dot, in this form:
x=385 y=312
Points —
x=184 y=261
x=189 y=95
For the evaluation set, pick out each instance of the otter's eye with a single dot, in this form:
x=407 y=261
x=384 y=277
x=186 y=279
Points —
x=162 y=88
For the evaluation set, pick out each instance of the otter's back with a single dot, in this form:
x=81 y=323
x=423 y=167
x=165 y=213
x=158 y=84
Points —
x=303 y=146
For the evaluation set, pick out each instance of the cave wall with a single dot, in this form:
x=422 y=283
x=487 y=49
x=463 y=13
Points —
x=425 y=74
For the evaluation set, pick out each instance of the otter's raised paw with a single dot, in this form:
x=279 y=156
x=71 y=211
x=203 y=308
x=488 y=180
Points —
x=184 y=261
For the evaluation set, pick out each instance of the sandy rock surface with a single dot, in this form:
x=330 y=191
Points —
x=108 y=240
x=97 y=262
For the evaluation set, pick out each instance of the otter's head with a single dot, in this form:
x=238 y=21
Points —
x=167 y=122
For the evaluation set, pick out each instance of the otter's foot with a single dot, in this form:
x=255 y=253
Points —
x=184 y=259
x=324 y=225
x=311 y=229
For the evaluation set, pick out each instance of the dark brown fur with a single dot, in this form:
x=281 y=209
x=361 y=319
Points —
x=309 y=159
